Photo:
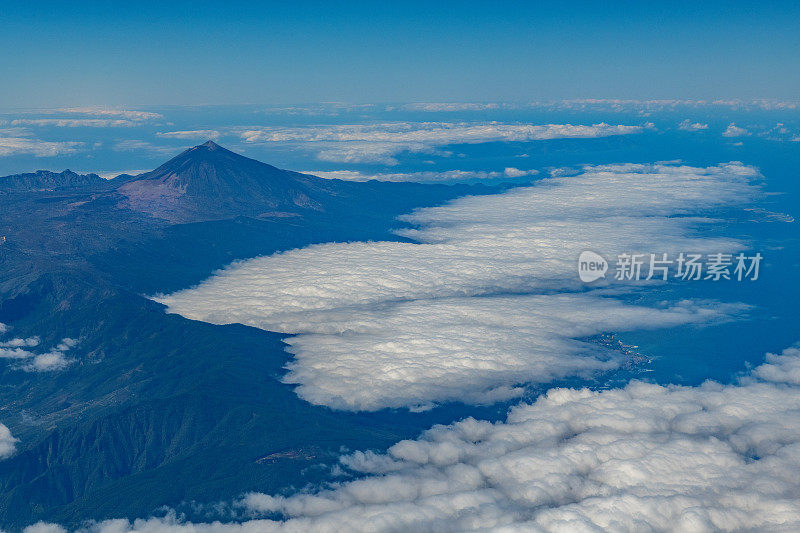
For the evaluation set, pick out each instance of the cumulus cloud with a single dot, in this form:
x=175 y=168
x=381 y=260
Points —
x=452 y=176
x=31 y=146
x=378 y=143
x=735 y=131
x=8 y=444
x=645 y=457
x=190 y=134
x=391 y=324
x=513 y=172
x=640 y=458
x=688 y=125
x=21 y=350
x=18 y=342
x=42 y=527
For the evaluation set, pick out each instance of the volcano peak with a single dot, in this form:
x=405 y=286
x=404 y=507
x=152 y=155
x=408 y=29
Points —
x=211 y=182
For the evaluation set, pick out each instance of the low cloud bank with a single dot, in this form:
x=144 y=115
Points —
x=640 y=458
x=488 y=299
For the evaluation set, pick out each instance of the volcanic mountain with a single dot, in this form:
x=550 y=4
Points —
x=209 y=182
x=152 y=409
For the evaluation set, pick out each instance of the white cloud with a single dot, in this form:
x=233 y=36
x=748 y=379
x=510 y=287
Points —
x=190 y=134
x=641 y=458
x=47 y=362
x=20 y=349
x=30 y=146
x=75 y=122
x=102 y=112
x=688 y=125
x=644 y=457
x=476 y=350
x=651 y=106
x=90 y=117
x=735 y=131
x=435 y=132
x=381 y=153
x=512 y=172
x=331 y=109
x=137 y=145
x=451 y=176
x=20 y=342
x=41 y=527
x=8 y=444
x=388 y=324
x=434 y=107
x=378 y=143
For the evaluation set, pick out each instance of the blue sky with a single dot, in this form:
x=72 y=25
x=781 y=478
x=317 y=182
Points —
x=61 y=53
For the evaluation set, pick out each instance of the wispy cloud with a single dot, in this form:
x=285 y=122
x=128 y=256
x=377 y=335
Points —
x=451 y=176
x=83 y=117
x=438 y=107
x=435 y=132
x=331 y=109
x=100 y=112
x=656 y=105
x=138 y=145
x=75 y=122
x=190 y=134
x=30 y=146
x=390 y=324
x=379 y=143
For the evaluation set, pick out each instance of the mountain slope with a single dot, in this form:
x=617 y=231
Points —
x=209 y=182
x=154 y=409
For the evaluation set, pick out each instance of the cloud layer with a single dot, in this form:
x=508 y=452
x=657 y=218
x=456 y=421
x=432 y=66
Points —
x=379 y=143
x=488 y=298
x=450 y=176
x=641 y=458
x=645 y=457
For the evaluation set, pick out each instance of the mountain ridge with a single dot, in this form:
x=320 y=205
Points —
x=46 y=180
